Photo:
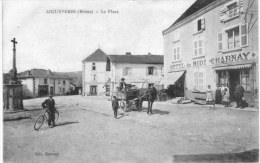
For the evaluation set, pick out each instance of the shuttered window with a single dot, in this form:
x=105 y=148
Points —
x=198 y=47
x=233 y=38
x=199 y=80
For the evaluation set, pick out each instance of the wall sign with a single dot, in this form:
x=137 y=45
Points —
x=231 y=58
x=216 y=60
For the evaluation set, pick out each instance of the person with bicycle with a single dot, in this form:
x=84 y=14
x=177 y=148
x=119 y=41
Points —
x=49 y=105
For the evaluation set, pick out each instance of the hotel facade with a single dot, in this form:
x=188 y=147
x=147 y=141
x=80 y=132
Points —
x=214 y=42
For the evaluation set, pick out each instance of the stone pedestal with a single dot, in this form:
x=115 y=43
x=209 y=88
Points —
x=13 y=97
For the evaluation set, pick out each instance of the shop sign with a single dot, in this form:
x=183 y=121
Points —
x=183 y=66
x=215 y=60
x=232 y=58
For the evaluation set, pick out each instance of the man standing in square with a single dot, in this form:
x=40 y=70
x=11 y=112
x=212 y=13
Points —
x=239 y=93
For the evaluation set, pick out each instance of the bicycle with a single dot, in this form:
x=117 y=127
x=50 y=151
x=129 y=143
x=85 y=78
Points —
x=45 y=116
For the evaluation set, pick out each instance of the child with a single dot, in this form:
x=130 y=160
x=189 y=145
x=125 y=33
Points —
x=209 y=97
x=226 y=97
x=115 y=106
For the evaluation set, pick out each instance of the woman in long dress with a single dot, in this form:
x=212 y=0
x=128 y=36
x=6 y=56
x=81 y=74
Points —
x=209 y=96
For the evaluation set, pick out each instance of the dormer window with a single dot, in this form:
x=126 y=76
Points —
x=231 y=10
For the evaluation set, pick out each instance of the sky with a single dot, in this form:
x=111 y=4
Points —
x=49 y=38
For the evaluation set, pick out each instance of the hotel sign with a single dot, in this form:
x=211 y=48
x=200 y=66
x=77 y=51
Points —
x=232 y=58
x=216 y=60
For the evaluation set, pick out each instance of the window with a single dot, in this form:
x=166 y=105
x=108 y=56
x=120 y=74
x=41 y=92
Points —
x=151 y=71
x=64 y=82
x=127 y=71
x=60 y=89
x=198 y=48
x=231 y=10
x=176 y=53
x=233 y=38
x=45 y=81
x=223 y=78
x=93 y=66
x=199 y=80
x=94 y=77
x=200 y=25
x=245 y=79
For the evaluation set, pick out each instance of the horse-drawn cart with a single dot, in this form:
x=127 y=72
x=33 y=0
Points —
x=127 y=98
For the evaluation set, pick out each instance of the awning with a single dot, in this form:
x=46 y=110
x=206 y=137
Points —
x=231 y=67
x=172 y=77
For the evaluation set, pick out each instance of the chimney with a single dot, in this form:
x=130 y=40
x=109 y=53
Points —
x=149 y=53
x=128 y=53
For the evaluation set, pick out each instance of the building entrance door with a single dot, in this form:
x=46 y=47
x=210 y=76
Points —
x=93 y=90
x=51 y=90
x=234 y=77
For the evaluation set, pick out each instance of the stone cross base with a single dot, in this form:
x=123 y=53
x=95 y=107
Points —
x=13 y=97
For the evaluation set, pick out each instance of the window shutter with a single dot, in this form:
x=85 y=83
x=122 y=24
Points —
x=200 y=80
x=195 y=79
x=155 y=71
x=202 y=24
x=195 y=48
x=200 y=47
x=223 y=14
x=220 y=41
x=146 y=71
x=243 y=34
x=174 y=55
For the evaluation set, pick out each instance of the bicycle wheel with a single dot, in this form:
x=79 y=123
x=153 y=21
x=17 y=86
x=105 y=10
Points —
x=57 y=114
x=39 y=122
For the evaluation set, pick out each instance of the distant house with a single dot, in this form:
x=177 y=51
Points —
x=102 y=72
x=75 y=83
x=40 y=82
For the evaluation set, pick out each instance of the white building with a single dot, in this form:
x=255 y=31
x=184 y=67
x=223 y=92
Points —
x=214 y=42
x=102 y=73
x=40 y=82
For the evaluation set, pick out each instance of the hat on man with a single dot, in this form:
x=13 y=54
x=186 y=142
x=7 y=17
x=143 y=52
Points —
x=122 y=78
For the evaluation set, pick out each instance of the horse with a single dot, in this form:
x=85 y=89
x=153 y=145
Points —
x=146 y=94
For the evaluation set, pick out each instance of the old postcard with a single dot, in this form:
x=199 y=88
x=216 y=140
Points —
x=130 y=81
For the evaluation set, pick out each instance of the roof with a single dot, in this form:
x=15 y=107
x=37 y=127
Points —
x=41 y=73
x=137 y=59
x=97 y=56
x=196 y=6
x=76 y=77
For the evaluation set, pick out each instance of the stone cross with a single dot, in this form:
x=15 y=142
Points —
x=14 y=73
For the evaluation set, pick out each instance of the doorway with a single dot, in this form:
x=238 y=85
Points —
x=93 y=90
x=51 y=90
x=234 y=77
